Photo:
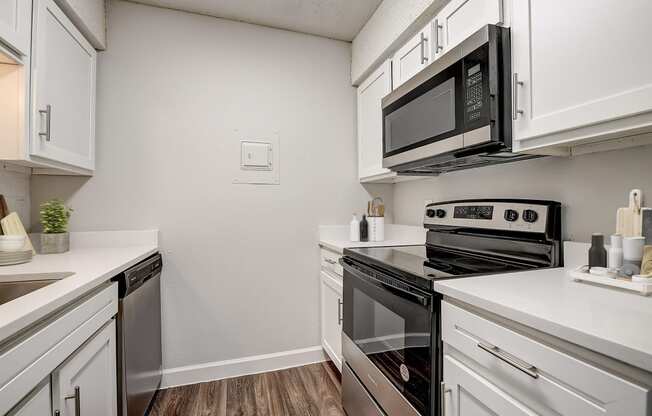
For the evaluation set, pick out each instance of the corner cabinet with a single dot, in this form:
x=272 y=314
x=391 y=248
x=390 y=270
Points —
x=63 y=89
x=580 y=77
x=15 y=25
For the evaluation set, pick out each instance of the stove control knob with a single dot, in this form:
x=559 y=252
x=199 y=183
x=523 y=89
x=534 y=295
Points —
x=440 y=213
x=530 y=215
x=430 y=213
x=511 y=215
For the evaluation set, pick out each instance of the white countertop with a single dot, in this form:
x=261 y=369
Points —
x=94 y=258
x=612 y=322
x=336 y=237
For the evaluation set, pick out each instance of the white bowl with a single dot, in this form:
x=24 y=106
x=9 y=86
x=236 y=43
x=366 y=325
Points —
x=12 y=242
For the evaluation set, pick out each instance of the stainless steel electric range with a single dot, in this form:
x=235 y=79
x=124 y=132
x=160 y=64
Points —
x=391 y=332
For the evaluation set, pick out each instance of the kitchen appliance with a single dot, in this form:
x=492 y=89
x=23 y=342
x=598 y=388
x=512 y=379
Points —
x=391 y=331
x=139 y=336
x=456 y=113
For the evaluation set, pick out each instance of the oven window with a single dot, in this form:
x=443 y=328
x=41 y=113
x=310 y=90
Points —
x=429 y=115
x=394 y=333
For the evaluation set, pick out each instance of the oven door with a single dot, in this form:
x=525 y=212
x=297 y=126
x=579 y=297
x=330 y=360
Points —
x=387 y=340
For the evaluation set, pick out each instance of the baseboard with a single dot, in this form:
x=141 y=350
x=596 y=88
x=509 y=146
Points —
x=218 y=370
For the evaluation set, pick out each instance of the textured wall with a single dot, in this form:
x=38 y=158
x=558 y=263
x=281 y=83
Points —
x=242 y=263
x=590 y=187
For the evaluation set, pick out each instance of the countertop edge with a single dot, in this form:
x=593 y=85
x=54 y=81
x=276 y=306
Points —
x=633 y=357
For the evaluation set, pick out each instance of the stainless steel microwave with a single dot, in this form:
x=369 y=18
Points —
x=456 y=113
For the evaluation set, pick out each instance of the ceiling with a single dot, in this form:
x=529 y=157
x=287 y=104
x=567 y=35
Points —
x=337 y=19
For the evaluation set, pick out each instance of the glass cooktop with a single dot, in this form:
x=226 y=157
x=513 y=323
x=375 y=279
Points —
x=431 y=263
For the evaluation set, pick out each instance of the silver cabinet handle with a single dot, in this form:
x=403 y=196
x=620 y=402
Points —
x=48 y=117
x=442 y=394
x=77 y=398
x=528 y=369
x=516 y=111
x=339 y=312
x=330 y=261
x=436 y=28
x=422 y=45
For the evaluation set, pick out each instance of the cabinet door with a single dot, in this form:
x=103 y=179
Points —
x=582 y=72
x=467 y=393
x=370 y=121
x=460 y=19
x=331 y=317
x=63 y=89
x=88 y=378
x=15 y=24
x=37 y=403
x=411 y=58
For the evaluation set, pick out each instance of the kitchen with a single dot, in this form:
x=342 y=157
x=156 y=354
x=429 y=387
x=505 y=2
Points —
x=217 y=133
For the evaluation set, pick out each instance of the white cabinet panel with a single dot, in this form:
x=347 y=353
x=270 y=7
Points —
x=411 y=58
x=461 y=18
x=469 y=394
x=583 y=73
x=370 y=121
x=88 y=378
x=15 y=24
x=331 y=317
x=37 y=403
x=63 y=80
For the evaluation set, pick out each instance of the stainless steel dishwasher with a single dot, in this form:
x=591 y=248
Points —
x=139 y=336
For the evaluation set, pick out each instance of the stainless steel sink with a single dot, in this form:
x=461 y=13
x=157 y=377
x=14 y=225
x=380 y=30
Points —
x=17 y=285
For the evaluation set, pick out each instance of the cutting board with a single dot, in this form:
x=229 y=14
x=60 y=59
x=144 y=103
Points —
x=4 y=210
x=629 y=219
x=12 y=225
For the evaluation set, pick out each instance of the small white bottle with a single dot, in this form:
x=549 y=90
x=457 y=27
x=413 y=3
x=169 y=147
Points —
x=615 y=256
x=354 y=232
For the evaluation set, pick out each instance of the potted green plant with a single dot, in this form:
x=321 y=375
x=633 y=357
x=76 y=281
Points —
x=54 y=219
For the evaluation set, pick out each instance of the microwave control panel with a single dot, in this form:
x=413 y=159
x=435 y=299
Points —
x=474 y=93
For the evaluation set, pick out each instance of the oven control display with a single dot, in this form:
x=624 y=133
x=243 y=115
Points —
x=474 y=212
x=474 y=93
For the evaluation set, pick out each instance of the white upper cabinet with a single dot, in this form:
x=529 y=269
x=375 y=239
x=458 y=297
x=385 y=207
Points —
x=461 y=18
x=63 y=89
x=370 y=122
x=87 y=380
x=89 y=16
x=15 y=24
x=582 y=71
x=411 y=58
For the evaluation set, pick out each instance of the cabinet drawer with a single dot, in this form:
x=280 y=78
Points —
x=538 y=372
x=330 y=262
x=24 y=362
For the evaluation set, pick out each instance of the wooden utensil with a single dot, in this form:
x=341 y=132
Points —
x=12 y=225
x=629 y=219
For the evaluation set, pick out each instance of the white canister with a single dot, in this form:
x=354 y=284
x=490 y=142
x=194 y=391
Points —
x=615 y=256
x=632 y=255
x=354 y=229
x=376 y=228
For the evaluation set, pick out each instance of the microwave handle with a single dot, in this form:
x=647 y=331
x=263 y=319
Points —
x=415 y=297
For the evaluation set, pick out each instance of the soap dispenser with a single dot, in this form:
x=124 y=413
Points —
x=354 y=231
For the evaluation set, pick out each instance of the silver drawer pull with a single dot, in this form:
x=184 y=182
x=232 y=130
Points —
x=339 y=312
x=330 y=261
x=77 y=398
x=528 y=369
x=422 y=45
x=516 y=83
x=48 y=117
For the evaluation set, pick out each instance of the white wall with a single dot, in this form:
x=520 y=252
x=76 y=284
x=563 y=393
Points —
x=241 y=262
x=393 y=22
x=15 y=186
x=590 y=187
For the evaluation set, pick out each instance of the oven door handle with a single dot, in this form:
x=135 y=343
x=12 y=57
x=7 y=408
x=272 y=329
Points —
x=420 y=299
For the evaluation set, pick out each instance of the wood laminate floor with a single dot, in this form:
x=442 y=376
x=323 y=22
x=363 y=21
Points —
x=311 y=390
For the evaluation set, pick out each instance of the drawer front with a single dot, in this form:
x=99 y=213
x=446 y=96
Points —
x=330 y=262
x=543 y=374
x=25 y=362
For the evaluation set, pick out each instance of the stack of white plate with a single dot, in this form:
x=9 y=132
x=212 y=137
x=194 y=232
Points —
x=15 y=257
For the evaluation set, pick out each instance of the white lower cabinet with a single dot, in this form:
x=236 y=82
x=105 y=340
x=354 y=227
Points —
x=331 y=317
x=491 y=369
x=37 y=403
x=87 y=380
x=467 y=393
